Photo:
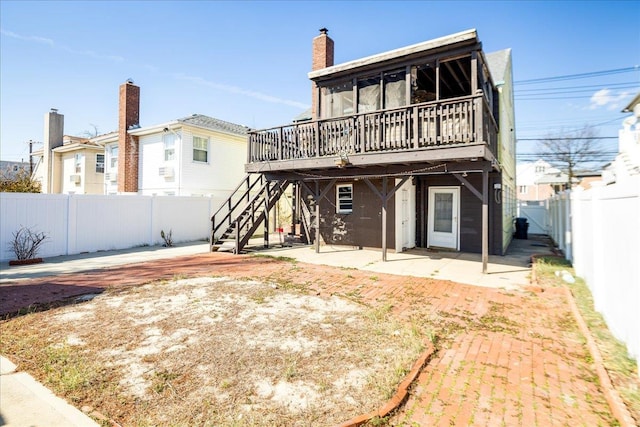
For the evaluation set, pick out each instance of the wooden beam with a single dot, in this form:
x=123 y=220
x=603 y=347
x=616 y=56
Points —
x=317 y=217
x=485 y=220
x=385 y=196
x=318 y=195
x=461 y=152
x=384 y=219
x=266 y=217
x=467 y=184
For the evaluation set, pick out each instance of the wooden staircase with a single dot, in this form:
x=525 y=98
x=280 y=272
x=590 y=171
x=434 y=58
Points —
x=236 y=221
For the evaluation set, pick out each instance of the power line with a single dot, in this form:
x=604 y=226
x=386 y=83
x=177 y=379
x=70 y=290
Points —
x=578 y=76
x=567 y=138
x=623 y=85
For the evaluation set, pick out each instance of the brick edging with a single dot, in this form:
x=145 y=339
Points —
x=616 y=404
x=401 y=393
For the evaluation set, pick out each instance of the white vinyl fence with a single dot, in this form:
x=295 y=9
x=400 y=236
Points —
x=603 y=242
x=88 y=223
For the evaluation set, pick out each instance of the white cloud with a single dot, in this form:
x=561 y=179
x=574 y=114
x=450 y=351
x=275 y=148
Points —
x=52 y=44
x=241 y=91
x=36 y=39
x=604 y=98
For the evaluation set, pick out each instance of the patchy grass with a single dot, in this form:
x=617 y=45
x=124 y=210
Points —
x=621 y=368
x=217 y=351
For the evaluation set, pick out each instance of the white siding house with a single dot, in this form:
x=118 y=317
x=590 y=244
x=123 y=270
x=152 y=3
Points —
x=193 y=156
x=76 y=167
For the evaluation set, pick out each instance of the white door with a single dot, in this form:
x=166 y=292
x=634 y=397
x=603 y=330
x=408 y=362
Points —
x=442 y=223
x=406 y=230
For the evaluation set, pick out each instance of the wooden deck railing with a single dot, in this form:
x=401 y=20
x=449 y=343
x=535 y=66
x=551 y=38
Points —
x=431 y=125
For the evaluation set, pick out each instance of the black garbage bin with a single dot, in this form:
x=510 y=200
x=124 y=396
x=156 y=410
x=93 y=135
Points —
x=522 y=227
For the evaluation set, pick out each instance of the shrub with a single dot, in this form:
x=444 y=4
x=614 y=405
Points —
x=26 y=243
x=168 y=240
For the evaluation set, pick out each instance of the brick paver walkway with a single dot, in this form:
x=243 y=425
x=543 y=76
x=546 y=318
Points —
x=503 y=358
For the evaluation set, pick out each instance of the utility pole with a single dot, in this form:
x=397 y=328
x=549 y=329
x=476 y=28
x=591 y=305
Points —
x=31 y=142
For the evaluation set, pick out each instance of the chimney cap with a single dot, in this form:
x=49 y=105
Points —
x=54 y=110
x=323 y=30
x=129 y=81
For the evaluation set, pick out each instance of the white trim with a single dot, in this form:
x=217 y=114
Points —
x=338 y=208
x=432 y=236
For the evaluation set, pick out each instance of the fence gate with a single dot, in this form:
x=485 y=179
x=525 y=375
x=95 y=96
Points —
x=537 y=216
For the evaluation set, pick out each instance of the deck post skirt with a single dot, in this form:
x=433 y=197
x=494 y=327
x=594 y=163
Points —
x=485 y=220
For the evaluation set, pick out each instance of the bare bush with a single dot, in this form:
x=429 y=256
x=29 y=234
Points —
x=168 y=239
x=26 y=243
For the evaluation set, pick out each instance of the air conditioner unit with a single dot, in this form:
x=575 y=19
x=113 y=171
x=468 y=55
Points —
x=74 y=179
x=166 y=171
x=111 y=176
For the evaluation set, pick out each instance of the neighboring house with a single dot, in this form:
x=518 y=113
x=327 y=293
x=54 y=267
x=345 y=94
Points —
x=192 y=156
x=68 y=164
x=411 y=147
x=9 y=169
x=539 y=181
x=627 y=162
x=586 y=179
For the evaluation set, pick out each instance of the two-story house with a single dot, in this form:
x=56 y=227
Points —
x=68 y=164
x=538 y=181
x=626 y=165
x=192 y=156
x=411 y=147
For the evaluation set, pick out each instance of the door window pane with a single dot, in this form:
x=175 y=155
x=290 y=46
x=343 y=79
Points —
x=443 y=212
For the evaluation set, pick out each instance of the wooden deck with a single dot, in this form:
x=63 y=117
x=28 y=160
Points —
x=455 y=129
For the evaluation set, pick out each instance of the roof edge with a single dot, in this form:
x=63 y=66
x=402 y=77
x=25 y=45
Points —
x=459 y=37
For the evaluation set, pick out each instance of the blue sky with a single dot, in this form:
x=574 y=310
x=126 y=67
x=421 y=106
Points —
x=247 y=62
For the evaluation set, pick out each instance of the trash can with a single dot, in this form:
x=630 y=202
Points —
x=522 y=227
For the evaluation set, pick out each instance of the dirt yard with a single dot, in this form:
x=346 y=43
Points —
x=216 y=351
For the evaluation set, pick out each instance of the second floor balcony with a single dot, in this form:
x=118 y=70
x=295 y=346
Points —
x=462 y=128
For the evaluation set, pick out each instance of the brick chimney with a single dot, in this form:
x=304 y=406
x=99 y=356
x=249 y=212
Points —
x=53 y=135
x=129 y=116
x=322 y=57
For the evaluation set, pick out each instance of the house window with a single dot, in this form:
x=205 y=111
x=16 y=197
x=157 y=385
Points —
x=344 y=198
x=200 y=149
x=540 y=169
x=395 y=93
x=368 y=94
x=78 y=163
x=523 y=189
x=169 y=142
x=99 y=163
x=337 y=100
x=114 y=157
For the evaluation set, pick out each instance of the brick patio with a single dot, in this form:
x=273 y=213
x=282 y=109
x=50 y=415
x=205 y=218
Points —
x=503 y=357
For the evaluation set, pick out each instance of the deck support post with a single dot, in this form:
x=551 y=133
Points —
x=266 y=217
x=385 y=197
x=384 y=218
x=317 y=197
